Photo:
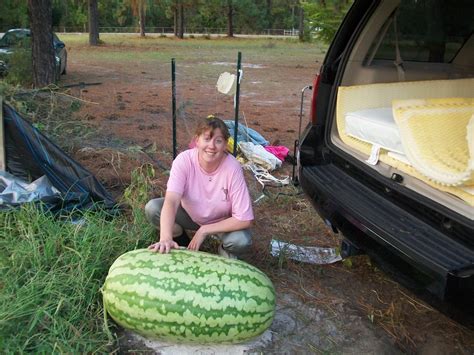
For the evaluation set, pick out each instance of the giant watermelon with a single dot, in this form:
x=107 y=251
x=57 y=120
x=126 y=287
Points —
x=188 y=296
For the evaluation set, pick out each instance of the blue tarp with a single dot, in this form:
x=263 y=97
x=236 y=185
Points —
x=245 y=134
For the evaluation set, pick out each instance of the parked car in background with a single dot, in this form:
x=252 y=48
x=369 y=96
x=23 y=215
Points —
x=387 y=158
x=18 y=38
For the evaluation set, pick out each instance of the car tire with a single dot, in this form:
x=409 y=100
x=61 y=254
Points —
x=65 y=66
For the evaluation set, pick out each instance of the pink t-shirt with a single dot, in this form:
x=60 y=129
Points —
x=210 y=198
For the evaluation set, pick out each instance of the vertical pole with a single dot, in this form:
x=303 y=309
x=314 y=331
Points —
x=2 y=142
x=173 y=102
x=236 y=103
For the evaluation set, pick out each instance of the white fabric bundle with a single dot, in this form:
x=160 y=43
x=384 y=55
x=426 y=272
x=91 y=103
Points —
x=258 y=155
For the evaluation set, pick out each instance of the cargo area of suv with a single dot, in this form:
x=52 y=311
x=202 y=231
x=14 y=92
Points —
x=388 y=158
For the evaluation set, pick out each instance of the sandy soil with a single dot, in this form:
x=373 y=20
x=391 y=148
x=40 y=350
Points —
x=347 y=307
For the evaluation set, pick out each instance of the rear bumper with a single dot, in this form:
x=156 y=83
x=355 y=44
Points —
x=388 y=232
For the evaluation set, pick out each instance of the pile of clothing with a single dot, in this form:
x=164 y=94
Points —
x=255 y=148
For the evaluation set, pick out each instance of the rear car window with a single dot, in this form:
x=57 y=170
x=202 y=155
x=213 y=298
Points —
x=14 y=38
x=425 y=31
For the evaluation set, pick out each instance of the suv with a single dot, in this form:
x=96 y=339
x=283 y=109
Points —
x=388 y=157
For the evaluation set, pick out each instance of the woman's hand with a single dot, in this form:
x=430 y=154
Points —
x=164 y=246
x=197 y=240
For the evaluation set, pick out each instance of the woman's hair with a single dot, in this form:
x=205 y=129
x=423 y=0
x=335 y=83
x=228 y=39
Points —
x=210 y=124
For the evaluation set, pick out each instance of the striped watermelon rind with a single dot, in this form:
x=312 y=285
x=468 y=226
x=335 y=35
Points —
x=188 y=296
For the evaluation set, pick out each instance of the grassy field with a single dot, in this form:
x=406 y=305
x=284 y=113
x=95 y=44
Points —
x=265 y=50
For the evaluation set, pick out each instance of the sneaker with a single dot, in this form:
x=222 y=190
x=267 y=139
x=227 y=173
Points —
x=214 y=237
x=224 y=253
x=182 y=240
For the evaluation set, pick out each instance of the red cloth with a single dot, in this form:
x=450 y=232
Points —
x=279 y=151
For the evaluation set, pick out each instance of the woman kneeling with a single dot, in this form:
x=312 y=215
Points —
x=206 y=192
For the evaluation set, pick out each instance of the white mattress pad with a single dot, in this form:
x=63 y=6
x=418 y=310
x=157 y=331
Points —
x=375 y=126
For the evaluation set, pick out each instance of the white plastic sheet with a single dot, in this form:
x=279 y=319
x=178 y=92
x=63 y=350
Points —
x=227 y=84
x=14 y=190
x=312 y=255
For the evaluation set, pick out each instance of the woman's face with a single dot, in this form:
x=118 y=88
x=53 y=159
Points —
x=211 y=149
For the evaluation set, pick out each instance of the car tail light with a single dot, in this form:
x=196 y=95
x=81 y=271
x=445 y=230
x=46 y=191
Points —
x=312 y=112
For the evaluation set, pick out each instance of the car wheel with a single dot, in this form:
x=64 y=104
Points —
x=57 y=75
x=65 y=65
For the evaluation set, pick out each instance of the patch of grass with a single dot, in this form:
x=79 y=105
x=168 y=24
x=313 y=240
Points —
x=51 y=271
x=7 y=90
x=137 y=194
x=20 y=70
x=269 y=44
x=112 y=55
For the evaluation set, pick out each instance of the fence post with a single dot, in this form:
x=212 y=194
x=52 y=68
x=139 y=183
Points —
x=173 y=103
x=236 y=102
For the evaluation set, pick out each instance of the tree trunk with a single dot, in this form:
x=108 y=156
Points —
x=269 y=14
x=301 y=25
x=141 y=17
x=93 y=23
x=176 y=24
x=181 y=21
x=42 y=51
x=230 y=18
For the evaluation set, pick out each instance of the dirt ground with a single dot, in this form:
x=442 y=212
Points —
x=346 y=307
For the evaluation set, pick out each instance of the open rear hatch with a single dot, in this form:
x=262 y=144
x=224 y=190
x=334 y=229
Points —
x=398 y=158
x=405 y=101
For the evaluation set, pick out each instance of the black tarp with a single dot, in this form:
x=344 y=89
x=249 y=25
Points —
x=29 y=155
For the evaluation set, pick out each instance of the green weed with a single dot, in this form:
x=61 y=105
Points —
x=137 y=194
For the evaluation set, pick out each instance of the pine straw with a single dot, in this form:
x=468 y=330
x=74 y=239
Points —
x=409 y=321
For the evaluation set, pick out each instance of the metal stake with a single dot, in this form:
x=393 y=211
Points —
x=173 y=102
x=236 y=103
x=297 y=141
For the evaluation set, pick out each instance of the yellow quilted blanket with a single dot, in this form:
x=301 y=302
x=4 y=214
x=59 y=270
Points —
x=357 y=97
x=438 y=137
